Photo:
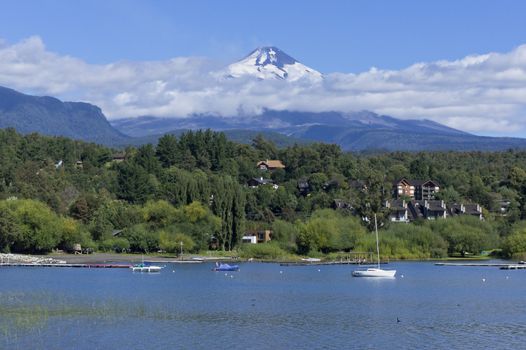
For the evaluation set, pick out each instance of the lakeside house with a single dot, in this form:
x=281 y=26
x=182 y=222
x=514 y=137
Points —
x=255 y=237
x=415 y=189
x=270 y=165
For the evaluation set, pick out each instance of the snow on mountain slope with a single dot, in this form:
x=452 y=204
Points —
x=271 y=63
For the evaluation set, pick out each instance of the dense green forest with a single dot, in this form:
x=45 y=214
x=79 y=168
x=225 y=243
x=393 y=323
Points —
x=56 y=192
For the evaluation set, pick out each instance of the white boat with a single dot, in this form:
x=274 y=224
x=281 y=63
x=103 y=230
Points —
x=375 y=271
x=145 y=268
x=311 y=259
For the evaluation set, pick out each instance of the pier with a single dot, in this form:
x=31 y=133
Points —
x=471 y=264
x=344 y=262
x=500 y=266
x=85 y=266
x=513 y=267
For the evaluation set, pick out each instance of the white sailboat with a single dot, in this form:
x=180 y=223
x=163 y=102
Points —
x=375 y=271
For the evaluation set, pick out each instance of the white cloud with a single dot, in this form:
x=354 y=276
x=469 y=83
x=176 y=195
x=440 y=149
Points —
x=479 y=93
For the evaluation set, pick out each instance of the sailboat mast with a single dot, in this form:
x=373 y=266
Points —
x=377 y=246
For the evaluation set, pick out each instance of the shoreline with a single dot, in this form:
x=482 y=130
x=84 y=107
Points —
x=108 y=258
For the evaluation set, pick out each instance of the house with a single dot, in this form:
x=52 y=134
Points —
x=331 y=185
x=340 y=204
x=406 y=211
x=433 y=209
x=118 y=157
x=270 y=165
x=303 y=186
x=258 y=181
x=403 y=188
x=79 y=164
x=415 y=189
x=254 y=237
x=504 y=207
x=398 y=211
x=358 y=185
x=473 y=209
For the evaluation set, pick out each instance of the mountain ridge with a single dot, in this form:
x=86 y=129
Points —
x=51 y=116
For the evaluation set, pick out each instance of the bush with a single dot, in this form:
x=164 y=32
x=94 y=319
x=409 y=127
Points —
x=116 y=244
x=264 y=251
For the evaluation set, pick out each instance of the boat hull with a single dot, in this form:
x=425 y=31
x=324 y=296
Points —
x=146 y=268
x=226 y=267
x=374 y=273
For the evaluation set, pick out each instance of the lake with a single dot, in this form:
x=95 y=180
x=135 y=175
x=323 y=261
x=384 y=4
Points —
x=262 y=306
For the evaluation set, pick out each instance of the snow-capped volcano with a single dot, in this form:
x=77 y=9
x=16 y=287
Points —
x=271 y=63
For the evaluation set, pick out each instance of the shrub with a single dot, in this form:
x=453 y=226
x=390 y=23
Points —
x=116 y=244
x=265 y=251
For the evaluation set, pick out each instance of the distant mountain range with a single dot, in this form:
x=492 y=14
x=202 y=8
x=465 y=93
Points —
x=356 y=131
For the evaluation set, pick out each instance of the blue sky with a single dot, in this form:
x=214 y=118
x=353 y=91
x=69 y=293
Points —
x=461 y=63
x=330 y=36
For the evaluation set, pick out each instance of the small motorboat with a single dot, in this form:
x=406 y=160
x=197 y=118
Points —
x=311 y=260
x=225 y=267
x=145 y=268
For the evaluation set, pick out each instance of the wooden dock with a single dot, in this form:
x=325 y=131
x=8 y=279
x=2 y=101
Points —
x=317 y=263
x=85 y=266
x=470 y=264
x=500 y=266
x=514 y=267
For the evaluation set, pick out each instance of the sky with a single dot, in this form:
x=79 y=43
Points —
x=461 y=63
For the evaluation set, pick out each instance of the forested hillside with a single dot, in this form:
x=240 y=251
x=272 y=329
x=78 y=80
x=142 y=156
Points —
x=193 y=189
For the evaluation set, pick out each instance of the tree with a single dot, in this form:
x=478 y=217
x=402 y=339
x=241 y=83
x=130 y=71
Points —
x=133 y=183
x=166 y=150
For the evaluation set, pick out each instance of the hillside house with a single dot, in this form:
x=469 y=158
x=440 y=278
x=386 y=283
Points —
x=260 y=181
x=270 y=165
x=406 y=211
x=433 y=209
x=254 y=237
x=398 y=211
x=303 y=187
x=358 y=185
x=118 y=157
x=473 y=209
x=415 y=189
x=340 y=204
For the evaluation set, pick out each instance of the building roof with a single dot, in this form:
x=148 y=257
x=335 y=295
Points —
x=261 y=181
x=415 y=182
x=397 y=204
x=273 y=164
x=472 y=209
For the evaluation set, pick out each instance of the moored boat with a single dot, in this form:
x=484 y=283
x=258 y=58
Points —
x=225 y=267
x=375 y=271
x=145 y=268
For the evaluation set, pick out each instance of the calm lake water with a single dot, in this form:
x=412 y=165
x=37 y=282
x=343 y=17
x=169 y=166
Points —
x=263 y=306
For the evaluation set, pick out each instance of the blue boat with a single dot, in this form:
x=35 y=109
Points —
x=225 y=267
